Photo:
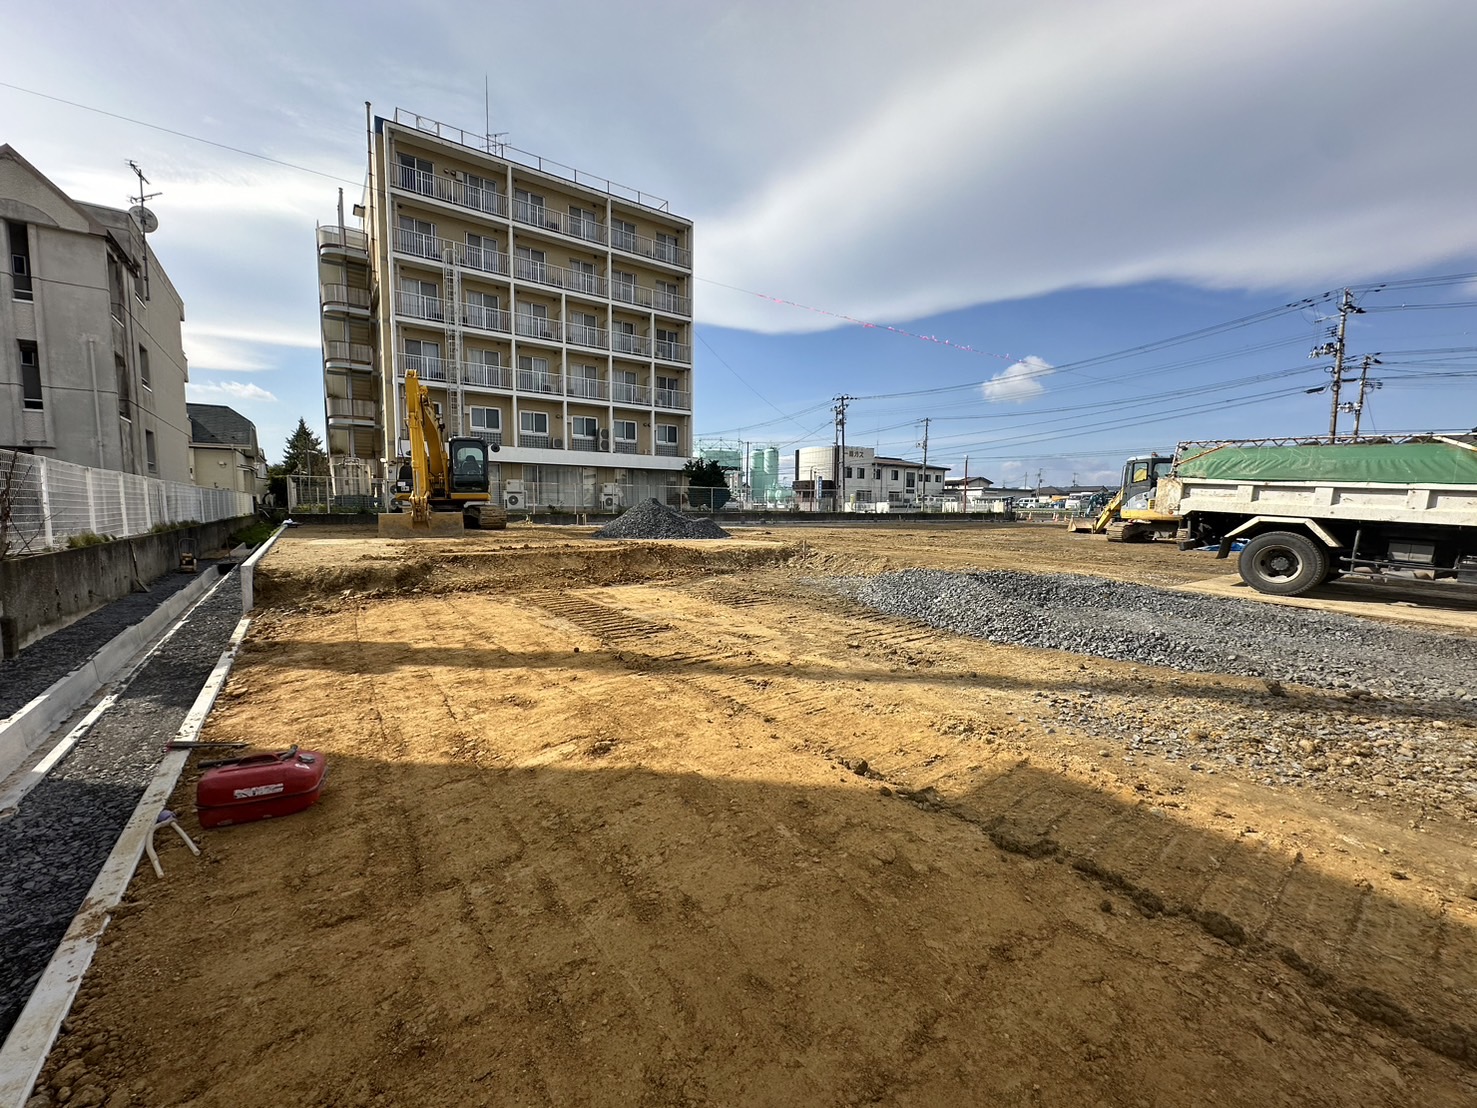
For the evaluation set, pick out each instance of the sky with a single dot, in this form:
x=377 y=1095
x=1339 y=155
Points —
x=990 y=216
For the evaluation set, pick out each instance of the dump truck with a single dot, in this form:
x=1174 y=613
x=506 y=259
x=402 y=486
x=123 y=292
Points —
x=1309 y=511
x=447 y=478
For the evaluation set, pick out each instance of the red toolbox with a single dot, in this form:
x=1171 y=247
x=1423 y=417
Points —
x=259 y=787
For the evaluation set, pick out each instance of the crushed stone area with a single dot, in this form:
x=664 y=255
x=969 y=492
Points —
x=48 y=660
x=53 y=846
x=652 y=519
x=1158 y=627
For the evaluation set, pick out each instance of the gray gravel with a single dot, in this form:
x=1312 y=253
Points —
x=53 y=847
x=47 y=661
x=651 y=519
x=1157 y=627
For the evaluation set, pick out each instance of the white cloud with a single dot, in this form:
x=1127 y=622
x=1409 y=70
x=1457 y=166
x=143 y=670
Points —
x=236 y=390
x=1017 y=382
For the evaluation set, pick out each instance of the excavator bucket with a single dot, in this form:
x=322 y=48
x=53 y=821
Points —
x=402 y=525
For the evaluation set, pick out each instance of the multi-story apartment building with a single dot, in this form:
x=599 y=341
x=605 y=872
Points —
x=858 y=479
x=92 y=366
x=550 y=313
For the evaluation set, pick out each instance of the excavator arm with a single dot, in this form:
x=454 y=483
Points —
x=427 y=456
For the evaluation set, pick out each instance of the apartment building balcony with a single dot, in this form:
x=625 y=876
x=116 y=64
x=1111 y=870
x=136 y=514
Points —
x=623 y=393
x=584 y=442
x=343 y=410
x=414 y=305
x=623 y=343
x=351 y=355
x=668 y=450
x=674 y=400
x=593 y=337
x=438 y=250
x=547 y=384
x=624 y=446
x=648 y=247
x=483 y=376
x=674 y=352
x=344 y=300
x=558 y=277
x=491 y=438
x=538 y=327
x=547 y=219
x=587 y=388
x=537 y=442
x=485 y=319
x=427 y=369
x=671 y=303
x=342 y=240
x=449 y=190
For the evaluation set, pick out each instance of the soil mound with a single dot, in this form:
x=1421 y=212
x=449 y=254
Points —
x=652 y=519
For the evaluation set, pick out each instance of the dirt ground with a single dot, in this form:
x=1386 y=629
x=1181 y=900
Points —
x=663 y=824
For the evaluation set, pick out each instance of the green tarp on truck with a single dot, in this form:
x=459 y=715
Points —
x=1421 y=464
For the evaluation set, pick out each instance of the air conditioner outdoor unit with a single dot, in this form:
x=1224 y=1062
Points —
x=514 y=501
x=610 y=501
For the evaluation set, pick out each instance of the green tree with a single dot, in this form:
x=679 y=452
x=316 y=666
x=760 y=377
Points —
x=707 y=484
x=304 y=453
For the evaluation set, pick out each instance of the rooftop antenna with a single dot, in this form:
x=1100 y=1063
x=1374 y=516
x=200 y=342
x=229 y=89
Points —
x=147 y=221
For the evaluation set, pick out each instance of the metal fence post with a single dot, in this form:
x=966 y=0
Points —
x=123 y=503
x=91 y=504
x=45 y=498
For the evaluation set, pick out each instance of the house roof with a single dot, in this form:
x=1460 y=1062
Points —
x=883 y=461
x=216 y=424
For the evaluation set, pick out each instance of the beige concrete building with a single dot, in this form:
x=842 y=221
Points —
x=223 y=450
x=549 y=311
x=92 y=368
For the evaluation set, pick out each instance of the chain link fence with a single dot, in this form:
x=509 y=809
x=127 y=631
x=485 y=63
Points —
x=45 y=502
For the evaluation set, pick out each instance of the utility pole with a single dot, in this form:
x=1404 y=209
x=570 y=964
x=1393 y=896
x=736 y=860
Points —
x=924 y=492
x=1038 y=480
x=840 y=477
x=1336 y=348
x=1365 y=385
x=964 y=502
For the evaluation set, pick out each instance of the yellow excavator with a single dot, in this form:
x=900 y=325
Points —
x=1131 y=516
x=448 y=487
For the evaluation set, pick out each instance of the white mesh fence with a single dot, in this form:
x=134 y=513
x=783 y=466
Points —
x=44 y=502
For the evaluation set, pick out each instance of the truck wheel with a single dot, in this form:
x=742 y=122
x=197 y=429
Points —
x=1283 y=563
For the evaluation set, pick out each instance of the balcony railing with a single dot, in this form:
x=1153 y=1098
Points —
x=484 y=318
x=483 y=376
x=674 y=352
x=343 y=238
x=538 y=327
x=416 y=305
x=358 y=353
x=344 y=296
x=535 y=381
x=451 y=191
x=667 y=450
x=671 y=303
x=491 y=438
x=647 y=247
x=671 y=398
x=624 y=446
x=587 y=388
x=541 y=442
x=340 y=407
x=436 y=249
x=583 y=442
x=623 y=343
x=537 y=215
x=586 y=229
x=623 y=393
x=426 y=368
x=582 y=334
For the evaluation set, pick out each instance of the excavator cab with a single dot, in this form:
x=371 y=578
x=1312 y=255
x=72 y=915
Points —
x=468 y=465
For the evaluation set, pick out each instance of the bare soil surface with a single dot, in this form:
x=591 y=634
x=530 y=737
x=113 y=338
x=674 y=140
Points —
x=666 y=824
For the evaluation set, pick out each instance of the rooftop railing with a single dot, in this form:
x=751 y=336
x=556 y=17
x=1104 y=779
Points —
x=346 y=238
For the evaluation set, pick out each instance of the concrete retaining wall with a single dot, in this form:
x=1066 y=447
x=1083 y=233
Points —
x=45 y=592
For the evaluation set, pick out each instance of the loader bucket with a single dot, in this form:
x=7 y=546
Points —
x=401 y=525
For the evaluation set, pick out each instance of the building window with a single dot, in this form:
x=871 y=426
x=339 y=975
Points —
x=486 y=419
x=528 y=207
x=623 y=286
x=151 y=452
x=876 y=475
x=911 y=476
x=31 y=377
x=143 y=368
x=20 y=261
x=416 y=236
x=481 y=192
x=894 y=475
x=623 y=235
x=666 y=433
x=416 y=174
x=666 y=247
x=584 y=427
x=533 y=423
x=582 y=223
x=125 y=392
x=625 y=430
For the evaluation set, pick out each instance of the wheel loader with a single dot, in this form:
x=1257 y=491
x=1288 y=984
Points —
x=448 y=486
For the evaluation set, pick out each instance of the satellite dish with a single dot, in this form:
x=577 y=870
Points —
x=146 y=219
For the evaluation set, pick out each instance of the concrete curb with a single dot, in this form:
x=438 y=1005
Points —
x=248 y=570
x=26 y=729
x=31 y=1039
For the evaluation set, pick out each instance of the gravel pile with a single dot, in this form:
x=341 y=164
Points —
x=52 y=848
x=1137 y=623
x=652 y=519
